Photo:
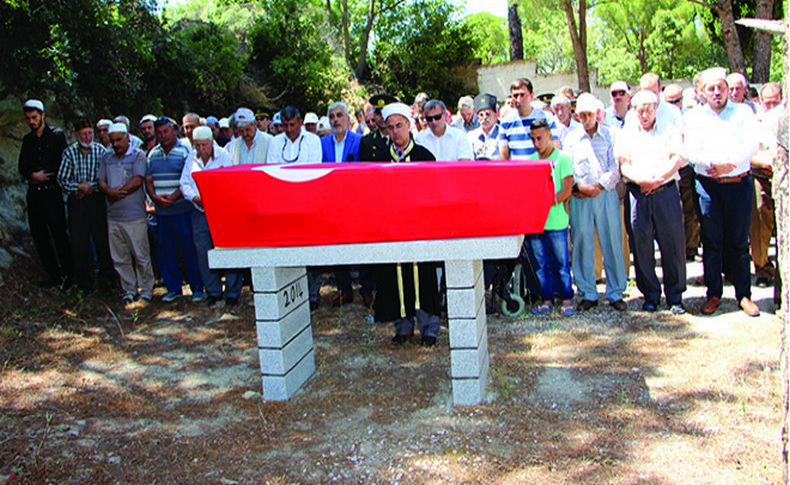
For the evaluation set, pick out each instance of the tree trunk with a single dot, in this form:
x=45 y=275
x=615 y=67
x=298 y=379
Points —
x=732 y=41
x=514 y=29
x=346 y=33
x=362 y=64
x=761 y=65
x=579 y=40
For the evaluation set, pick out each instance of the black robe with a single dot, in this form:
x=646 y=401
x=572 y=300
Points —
x=387 y=306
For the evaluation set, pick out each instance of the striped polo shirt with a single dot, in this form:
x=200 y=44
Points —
x=514 y=132
x=165 y=170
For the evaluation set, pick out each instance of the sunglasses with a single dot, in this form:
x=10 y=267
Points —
x=434 y=117
x=618 y=93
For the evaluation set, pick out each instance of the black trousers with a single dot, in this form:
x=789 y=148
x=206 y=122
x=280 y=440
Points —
x=88 y=224
x=47 y=220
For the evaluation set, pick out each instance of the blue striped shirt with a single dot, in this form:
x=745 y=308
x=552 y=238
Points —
x=165 y=170
x=514 y=133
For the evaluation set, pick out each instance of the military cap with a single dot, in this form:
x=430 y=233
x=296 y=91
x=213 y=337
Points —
x=381 y=100
x=485 y=101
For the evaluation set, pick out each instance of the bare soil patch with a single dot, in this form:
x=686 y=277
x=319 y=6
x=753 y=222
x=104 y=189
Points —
x=100 y=393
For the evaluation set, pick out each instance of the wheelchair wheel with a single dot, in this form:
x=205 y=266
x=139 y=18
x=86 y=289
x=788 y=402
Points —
x=512 y=307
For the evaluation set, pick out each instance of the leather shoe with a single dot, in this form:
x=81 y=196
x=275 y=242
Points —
x=585 y=305
x=749 y=307
x=342 y=300
x=618 y=305
x=400 y=339
x=710 y=305
x=428 y=341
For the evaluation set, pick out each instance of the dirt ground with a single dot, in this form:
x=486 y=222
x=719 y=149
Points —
x=101 y=393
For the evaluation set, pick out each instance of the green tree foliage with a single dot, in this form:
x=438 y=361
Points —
x=293 y=58
x=105 y=57
x=418 y=46
x=237 y=16
x=638 y=36
x=80 y=50
x=197 y=68
x=546 y=37
x=489 y=36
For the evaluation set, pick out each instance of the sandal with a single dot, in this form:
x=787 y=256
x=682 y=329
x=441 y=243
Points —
x=567 y=311
x=541 y=310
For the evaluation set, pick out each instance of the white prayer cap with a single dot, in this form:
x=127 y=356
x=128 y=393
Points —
x=202 y=133
x=323 y=124
x=243 y=116
x=644 y=97
x=34 y=104
x=619 y=86
x=118 y=128
x=103 y=122
x=689 y=98
x=713 y=74
x=145 y=118
x=223 y=123
x=587 y=103
x=396 y=109
x=310 y=118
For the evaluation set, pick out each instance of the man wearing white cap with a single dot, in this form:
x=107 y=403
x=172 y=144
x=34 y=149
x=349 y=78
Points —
x=720 y=139
x=294 y=144
x=148 y=132
x=102 y=132
x=39 y=162
x=121 y=176
x=134 y=141
x=253 y=144
x=595 y=205
x=206 y=156
x=649 y=158
x=444 y=141
x=401 y=295
x=620 y=93
x=225 y=129
x=173 y=213
x=87 y=209
x=665 y=113
x=311 y=122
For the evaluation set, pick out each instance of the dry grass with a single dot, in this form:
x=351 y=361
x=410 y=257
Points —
x=100 y=393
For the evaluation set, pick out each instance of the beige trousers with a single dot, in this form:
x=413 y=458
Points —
x=131 y=255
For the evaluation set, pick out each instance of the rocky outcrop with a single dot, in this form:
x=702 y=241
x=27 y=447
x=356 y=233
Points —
x=13 y=219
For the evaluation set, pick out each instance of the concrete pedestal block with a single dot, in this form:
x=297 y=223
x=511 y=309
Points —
x=283 y=387
x=468 y=334
x=282 y=312
x=285 y=338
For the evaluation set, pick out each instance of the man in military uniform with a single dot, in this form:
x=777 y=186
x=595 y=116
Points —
x=374 y=144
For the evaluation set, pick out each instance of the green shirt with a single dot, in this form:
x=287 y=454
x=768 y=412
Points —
x=561 y=167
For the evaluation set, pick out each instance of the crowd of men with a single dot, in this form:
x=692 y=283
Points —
x=670 y=166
